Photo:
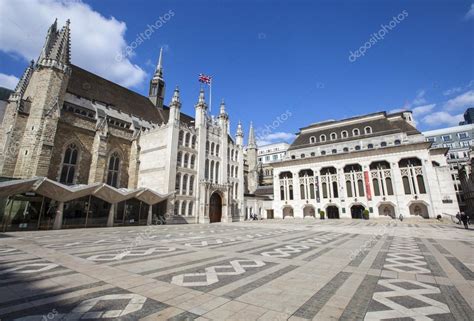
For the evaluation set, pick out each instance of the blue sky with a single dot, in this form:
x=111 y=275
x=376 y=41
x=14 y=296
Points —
x=269 y=58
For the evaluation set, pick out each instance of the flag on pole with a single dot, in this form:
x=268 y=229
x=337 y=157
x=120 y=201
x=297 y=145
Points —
x=205 y=79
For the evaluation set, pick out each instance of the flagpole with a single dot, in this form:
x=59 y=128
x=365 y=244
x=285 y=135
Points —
x=210 y=96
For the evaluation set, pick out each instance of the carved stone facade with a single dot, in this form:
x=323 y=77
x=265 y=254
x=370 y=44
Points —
x=74 y=127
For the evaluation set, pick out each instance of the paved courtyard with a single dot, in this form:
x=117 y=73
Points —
x=274 y=270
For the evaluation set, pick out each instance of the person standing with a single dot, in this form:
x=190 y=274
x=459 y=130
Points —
x=465 y=220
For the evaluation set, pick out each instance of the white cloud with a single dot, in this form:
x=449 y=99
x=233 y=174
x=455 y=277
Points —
x=274 y=138
x=470 y=13
x=421 y=110
x=442 y=118
x=451 y=91
x=464 y=100
x=8 y=81
x=95 y=39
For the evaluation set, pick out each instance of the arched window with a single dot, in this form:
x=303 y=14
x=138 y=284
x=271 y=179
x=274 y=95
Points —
x=323 y=152
x=344 y=134
x=311 y=191
x=325 y=190
x=375 y=183
x=176 y=208
x=345 y=149
x=334 y=151
x=206 y=169
x=178 y=182
x=333 y=136
x=322 y=138
x=192 y=161
x=312 y=140
x=113 y=170
x=406 y=185
x=182 y=208
x=69 y=166
x=421 y=184
x=355 y=132
x=179 y=158
x=290 y=188
x=190 y=208
x=213 y=146
x=313 y=154
x=370 y=146
x=349 y=188
x=232 y=154
x=357 y=147
x=236 y=155
x=193 y=142
x=191 y=185
x=236 y=171
x=212 y=171
x=282 y=193
x=217 y=150
x=302 y=156
x=388 y=182
x=397 y=142
x=360 y=185
x=368 y=130
x=184 y=188
x=383 y=144
x=186 y=160
x=187 y=138
x=181 y=137
x=302 y=192
x=207 y=148
x=335 y=192
x=217 y=172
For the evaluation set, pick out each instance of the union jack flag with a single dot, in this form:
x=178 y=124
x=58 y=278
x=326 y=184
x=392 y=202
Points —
x=205 y=79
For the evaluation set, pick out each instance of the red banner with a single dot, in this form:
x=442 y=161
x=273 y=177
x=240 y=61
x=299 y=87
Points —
x=367 y=186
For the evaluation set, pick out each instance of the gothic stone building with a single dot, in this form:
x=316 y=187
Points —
x=71 y=126
x=378 y=162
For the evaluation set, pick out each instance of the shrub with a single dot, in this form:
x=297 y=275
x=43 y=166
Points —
x=365 y=214
x=321 y=214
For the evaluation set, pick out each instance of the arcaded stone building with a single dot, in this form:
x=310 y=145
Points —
x=379 y=163
x=69 y=125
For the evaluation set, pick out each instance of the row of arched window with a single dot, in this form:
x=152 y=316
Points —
x=234 y=190
x=183 y=207
x=184 y=184
x=212 y=148
x=346 y=149
x=381 y=178
x=232 y=171
x=186 y=139
x=186 y=160
x=211 y=172
x=344 y=134
x=70 y=164
x=232 y=154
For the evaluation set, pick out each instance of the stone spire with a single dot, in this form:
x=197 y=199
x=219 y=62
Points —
x=222 y=109
x=239 y=136
x=157 y=84
x=202 y=99
x=251 y=142
x=24 y=80
x=175 y=99
x=56 y=51
x=159 y=66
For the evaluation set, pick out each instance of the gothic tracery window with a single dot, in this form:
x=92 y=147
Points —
x=114 y=170
x=69 y=166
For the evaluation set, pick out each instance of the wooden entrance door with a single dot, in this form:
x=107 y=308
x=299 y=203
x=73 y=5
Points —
x=215 y=208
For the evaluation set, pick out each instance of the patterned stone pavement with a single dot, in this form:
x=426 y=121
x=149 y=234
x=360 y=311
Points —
x=267 y=270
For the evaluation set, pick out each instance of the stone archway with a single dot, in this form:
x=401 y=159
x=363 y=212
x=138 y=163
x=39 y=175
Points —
x=419 y=209
x=332 y=212
x=215 y=208
x=288 y=211
x=357 y=211
x=309 y=211
x=386 y=209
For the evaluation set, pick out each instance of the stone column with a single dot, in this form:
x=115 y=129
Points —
x=110 y=219
x=150 y=215
x=58 y=219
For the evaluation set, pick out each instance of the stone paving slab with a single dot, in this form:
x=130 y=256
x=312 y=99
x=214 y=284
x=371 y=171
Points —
x=265 y=270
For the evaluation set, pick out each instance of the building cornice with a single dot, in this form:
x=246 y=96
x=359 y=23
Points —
x=354 y=154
